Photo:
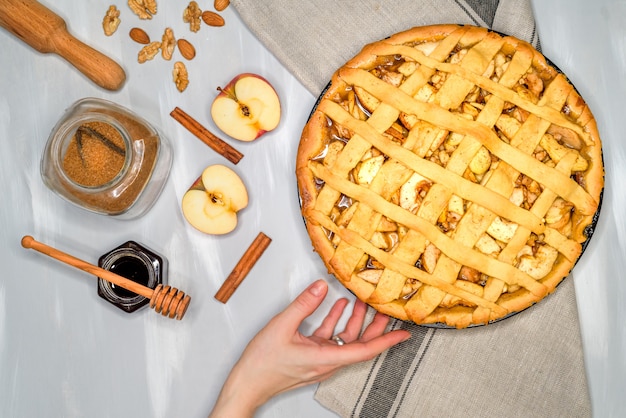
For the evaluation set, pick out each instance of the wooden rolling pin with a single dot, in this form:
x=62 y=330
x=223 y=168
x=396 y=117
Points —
x=166 y=300
x=47 y=32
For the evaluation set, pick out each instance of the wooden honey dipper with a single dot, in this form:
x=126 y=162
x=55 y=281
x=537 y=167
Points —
x=165 y=300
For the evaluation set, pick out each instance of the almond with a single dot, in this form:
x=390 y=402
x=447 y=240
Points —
x=139 y=35
x=221 y=4
x=212 y=18
x=186 y=49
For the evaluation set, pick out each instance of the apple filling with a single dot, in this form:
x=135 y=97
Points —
x=536 y=258
x=450 y=181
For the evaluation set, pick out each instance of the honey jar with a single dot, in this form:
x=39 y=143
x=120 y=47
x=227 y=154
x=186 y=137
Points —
x=135 y=262
x=105 y=158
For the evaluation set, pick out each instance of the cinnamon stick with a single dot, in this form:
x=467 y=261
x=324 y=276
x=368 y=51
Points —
x=206 y=136
x=243 y=267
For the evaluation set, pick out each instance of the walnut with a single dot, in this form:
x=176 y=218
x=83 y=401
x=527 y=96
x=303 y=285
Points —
x=111 y=20
x=180 y=76
x=143 y=8
x=168 y=43
x=151 y=6
x=148 y=52
x=192 y=15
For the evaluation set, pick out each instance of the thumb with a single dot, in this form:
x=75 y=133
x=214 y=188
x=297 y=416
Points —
x=305 y=304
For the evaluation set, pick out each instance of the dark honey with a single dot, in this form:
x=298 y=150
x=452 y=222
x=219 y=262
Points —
x=131 y=268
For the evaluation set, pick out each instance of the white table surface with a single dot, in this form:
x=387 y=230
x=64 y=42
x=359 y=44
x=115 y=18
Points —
x=66 y=352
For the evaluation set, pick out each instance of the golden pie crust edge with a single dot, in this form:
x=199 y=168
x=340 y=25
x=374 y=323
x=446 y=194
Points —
x=312 y=141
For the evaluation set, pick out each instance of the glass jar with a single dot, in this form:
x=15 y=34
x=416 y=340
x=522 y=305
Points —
x=104 y=158
x=135 y=262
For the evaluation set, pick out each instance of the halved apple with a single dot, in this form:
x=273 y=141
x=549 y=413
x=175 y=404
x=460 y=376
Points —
x=246 y=108
x=213 y=200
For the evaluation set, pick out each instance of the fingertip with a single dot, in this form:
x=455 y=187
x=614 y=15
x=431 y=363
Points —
x=343 y=302
x=398 y=337
x=306 y=302
x=318 y=288
x=381 y=317
x=406 y=335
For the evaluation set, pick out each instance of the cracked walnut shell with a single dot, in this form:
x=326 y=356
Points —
x=148 y=52
x=111 y=20
x=168 y=43
x=180 y=76
x=144 y=9
x=192 y=15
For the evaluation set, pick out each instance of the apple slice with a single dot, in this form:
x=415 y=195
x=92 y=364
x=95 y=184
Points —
x=368 y=101
x=213 y=200
x=246 y=108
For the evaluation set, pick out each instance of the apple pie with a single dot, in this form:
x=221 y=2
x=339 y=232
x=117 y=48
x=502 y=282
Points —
x=450 y=175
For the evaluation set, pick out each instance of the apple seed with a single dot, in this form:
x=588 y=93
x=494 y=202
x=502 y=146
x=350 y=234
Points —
x=245 y=110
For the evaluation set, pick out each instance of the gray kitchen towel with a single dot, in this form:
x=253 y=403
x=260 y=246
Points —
x=528 y=365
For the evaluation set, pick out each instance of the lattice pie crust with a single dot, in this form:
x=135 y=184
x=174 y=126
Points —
x=448 y=175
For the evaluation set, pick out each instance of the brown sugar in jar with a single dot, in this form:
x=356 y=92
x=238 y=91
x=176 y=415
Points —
x=95 y=154
x=106 y=159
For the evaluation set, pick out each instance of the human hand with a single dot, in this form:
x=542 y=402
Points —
x=280 y=358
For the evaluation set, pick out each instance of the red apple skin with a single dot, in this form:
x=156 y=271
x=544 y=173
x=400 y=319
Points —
x=259 y=134
x=229 y=89
x=197 y=184
x=230 y=86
